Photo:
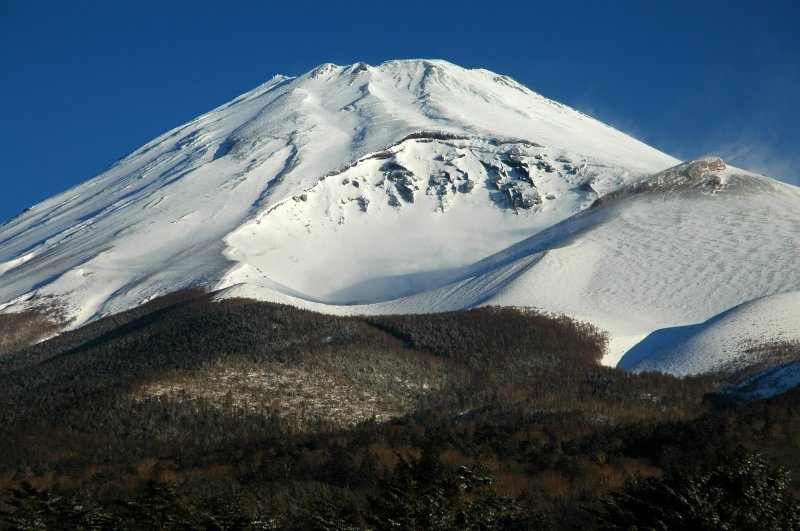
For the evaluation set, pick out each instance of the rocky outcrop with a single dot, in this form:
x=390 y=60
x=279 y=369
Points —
x=697 y=176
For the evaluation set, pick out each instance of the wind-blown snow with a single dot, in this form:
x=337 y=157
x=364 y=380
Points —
x=410 y=186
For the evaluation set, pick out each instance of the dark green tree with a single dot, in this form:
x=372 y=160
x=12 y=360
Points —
x=422 y=494
x=741 y=492
x=32 y=509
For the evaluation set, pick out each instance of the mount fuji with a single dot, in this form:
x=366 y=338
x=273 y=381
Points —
x=420 y=186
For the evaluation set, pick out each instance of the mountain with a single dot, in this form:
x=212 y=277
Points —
x=418 y=186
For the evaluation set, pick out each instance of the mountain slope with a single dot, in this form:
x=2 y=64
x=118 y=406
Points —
x=734 y=338
x=416 y=186
x=193 y=207
x=668 y=252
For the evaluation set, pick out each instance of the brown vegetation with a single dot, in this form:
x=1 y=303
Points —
x=297 y=417
x=18 y=330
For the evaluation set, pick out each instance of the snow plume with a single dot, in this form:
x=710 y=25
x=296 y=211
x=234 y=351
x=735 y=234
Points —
x=756 y=155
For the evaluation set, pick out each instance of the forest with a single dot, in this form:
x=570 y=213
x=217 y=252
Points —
x=188 y=413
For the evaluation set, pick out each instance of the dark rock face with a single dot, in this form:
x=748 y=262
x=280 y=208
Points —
x=686 y=174
x=406 y=191
x=519 y=197
x=513 y=181
x=402 y=178
x=512 y=173
x=466 y=187
x=546 y=166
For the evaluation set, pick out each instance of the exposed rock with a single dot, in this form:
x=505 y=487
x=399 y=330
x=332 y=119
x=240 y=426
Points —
x=530 y=200
x=391 y=166
x=587 y=186
x=466 y=186
x=380 y=155
x=697 y=168
x=494 y=174
x=693 y=176
x=517 y=164
x=322 y=70
x=546 y=166
x=359 y=67
x=517 y=196
x=439 y=180
x=433 y=135
x=406 y=191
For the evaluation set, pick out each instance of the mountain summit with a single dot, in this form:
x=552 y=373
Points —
x=414 y=186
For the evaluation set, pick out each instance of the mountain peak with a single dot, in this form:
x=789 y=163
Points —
x=353 y=184
x=457 y=137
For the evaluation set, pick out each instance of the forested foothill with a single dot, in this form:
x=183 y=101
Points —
x=187 y=413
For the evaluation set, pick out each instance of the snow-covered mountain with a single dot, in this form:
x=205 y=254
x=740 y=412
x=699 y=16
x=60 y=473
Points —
x=416 y=186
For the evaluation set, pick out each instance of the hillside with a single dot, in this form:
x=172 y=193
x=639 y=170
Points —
x=186 y=413
x=278 y=410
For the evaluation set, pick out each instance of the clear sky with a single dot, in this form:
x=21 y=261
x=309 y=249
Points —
x=83 y=83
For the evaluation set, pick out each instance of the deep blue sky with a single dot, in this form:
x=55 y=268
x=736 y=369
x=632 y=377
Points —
x=83 y=83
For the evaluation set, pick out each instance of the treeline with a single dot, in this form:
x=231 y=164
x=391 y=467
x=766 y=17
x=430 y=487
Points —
x=188 y=413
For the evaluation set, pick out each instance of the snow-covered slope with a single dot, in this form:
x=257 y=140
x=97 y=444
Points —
x=410 y=186
x=730 y=339
x=218 y=202
x=668 y=257
x=647 y=262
